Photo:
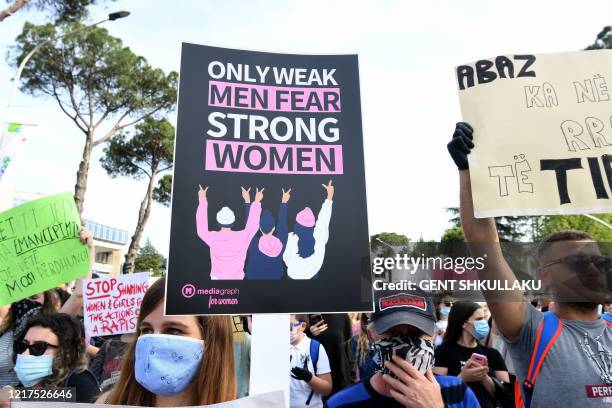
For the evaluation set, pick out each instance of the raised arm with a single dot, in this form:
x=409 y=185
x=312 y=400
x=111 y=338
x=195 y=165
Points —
x=508 y=307
x=282 y=230
x=321 y=230
x=74 y=304
x=202 y=215
x=254 y=213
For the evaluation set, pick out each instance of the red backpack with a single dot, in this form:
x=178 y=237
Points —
x=548 y=331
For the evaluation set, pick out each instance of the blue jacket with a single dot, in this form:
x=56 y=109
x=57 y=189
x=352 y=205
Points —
x=260 y=266
x=361 y=395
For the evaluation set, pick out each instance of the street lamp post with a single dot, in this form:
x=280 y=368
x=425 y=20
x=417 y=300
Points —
x=602 y=222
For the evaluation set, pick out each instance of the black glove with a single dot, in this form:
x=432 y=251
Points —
x=461 y=144
x=301 y=374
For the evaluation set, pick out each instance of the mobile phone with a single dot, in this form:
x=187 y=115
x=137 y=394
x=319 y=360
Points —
x=314 y=319
x=480 y=359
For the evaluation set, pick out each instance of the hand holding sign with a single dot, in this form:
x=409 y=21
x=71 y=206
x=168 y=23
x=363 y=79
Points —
x=246 y=196
x=202 y=192
x=330 y=190
x=86 y=238
x=286 y=196
x=259 y=195
x=461 y=144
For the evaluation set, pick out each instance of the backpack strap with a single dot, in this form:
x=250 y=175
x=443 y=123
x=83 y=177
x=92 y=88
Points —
x=607 y=318
x=314 y=357
x=314 y=353
x=548 y=331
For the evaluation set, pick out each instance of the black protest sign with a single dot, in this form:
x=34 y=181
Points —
x=268 y=202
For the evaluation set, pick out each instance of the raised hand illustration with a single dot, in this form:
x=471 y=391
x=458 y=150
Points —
x=228 y=248
x=264 y=259
x=305 y=249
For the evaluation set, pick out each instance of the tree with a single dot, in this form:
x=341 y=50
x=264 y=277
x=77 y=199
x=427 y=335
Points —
x=59 y=10
x=510 y=229
x=391 y=243
x=102 y=86
x=162 y=193
x=147 y=153
x=150 y=260
x=553 y=223
x=454 y=234
x=602 y=40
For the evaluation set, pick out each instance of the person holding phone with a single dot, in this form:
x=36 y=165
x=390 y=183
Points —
x=462 y=354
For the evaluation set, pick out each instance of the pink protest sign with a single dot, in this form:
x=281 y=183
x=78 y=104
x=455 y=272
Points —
x=111 y=305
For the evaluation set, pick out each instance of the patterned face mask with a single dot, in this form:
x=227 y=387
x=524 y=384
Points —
x=417 y=351
x=166 y=365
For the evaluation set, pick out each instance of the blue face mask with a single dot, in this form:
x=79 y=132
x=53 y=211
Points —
x=165 y=364
x=481 y=329
x=444 y=311
x=31 y=369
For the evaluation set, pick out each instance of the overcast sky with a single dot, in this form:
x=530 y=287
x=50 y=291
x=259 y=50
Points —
x=407 y=51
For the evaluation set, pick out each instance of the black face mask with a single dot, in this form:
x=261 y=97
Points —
x=23 y=307
x=417 y=351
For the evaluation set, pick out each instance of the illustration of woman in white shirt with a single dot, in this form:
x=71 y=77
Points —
x=305 y=248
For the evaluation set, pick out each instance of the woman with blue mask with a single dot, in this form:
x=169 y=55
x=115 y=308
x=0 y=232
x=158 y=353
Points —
x=442 y=312
x=20 y=312
x=462 y=354
x=51 y=353
x=175 y=360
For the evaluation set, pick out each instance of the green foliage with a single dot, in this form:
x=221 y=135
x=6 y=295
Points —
x=454 y=234
x=58 y=10
x=534 y=229
x=147 y=152
x=391 y=244
x=553 y=223
x=603 y=39
x=163 y=192
x=149 y=259
x=92 y=76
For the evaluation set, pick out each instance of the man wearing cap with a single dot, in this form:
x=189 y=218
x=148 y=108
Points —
x=228 y=248
x=305 y=249
x=402 y=327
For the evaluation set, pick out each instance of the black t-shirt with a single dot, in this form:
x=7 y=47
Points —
x=336 y=340
x=87 y=388
x=454 y=356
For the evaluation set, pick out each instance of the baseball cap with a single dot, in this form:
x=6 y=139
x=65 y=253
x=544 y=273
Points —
x=394 y=308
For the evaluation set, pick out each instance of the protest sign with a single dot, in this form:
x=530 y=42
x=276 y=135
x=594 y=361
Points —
x=268 y=202
x=542 y=133
x=271 y=399
x=111 y=305
x=40 y=247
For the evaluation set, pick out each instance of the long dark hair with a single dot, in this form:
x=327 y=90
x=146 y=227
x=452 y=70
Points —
x=306 y=240
x=460 y=313
x=70 y=340
x=50 y=305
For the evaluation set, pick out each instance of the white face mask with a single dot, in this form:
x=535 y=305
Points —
x=295 y=332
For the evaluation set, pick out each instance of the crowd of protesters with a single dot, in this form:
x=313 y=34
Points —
x=412 y=351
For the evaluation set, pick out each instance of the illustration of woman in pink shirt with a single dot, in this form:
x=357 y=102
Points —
x=228 y=248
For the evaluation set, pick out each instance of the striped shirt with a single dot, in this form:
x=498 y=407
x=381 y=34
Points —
x=7 y=368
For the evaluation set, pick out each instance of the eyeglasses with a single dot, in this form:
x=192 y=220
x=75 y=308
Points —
x=580 y=263
x=38 y=348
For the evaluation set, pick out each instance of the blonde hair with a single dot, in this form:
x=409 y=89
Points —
x=216 y=379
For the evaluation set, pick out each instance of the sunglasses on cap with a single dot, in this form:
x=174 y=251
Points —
x=38 y=348
x=580 y=263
